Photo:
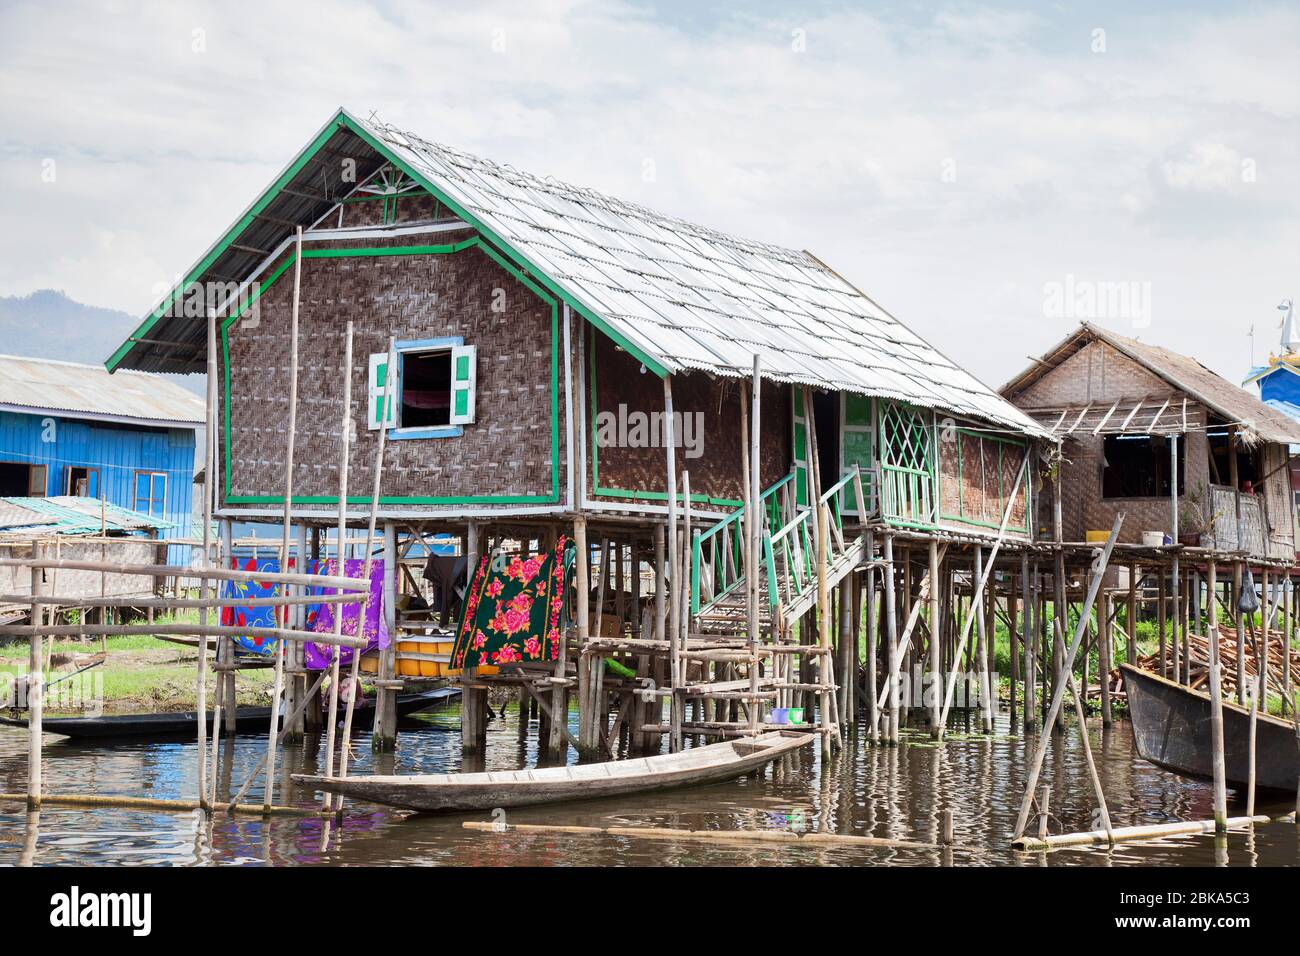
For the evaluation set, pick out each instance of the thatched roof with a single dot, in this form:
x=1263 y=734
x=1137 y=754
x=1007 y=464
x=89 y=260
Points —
x=1181 y=372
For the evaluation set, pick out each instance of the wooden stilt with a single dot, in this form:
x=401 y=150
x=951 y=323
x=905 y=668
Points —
x=1216 y=708
x=893 y=663
x=1058 y=695
x=935 y=693
x=675 y=573
x=277 y=683
x=36 y=685
x=345 y=440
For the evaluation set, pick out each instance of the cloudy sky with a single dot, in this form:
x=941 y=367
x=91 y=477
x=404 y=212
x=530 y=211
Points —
x=980 y=169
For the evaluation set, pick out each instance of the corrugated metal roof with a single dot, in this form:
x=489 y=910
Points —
x=695 y=298
x=47 y=385
x=71 y=514
x=678 y=295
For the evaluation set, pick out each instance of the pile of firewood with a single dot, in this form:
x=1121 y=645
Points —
x=1198 y=648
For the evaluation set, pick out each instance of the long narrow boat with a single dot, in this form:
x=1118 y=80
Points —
x=248 y=720
x=1171 y=728
x=450 y=792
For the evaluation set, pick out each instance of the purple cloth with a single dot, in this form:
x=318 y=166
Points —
x=320 y=617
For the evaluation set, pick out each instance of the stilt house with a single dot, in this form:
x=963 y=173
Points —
x=565 y=362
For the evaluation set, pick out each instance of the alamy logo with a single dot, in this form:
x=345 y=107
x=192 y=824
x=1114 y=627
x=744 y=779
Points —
x=625 y=429
x=1084 y=299
x=75 y=909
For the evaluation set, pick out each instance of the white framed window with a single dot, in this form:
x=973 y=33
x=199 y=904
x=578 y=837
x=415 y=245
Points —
x=433 y=393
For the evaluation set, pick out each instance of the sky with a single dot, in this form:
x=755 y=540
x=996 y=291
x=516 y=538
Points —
x=990 y=173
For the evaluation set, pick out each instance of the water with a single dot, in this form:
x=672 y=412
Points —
x=867 y=790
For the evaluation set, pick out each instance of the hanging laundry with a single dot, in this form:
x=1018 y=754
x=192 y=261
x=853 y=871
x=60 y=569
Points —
x=514 y=610
x=320 y=617
x=253 y=616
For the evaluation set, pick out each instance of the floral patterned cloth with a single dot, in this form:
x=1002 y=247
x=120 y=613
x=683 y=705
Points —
x=320 y=617
x=513 y=609
x=250 y=616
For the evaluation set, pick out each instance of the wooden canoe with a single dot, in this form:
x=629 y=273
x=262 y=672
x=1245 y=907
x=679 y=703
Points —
x=248 y=720
x=1171 y=729
x=450 y=792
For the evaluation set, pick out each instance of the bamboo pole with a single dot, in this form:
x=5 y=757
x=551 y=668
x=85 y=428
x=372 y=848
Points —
x=277 y=685
x=825 y=671
x=891 y=644
x=936 y=675
x=345 y=438
x=191 y=630
x=982 y=654
x=1216 y=705
x=154 y=803
x=384 y=693
x=1058 y=694
x=201 y=704
x=754 y=505
x=675 y=575
x=1146 y=832
x=983 y=573
x=154 y=570
x=714 y=836
x=1027 y=640
x=872 y=628
x=35 y=690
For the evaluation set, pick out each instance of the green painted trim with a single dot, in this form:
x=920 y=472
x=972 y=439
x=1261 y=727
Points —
x=961 y=517
x=380 y=147
x=230 y=236
x=391 y=499
x=376 y=251
x=600 y=492
x=342 y=120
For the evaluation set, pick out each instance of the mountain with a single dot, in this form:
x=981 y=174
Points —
x=48 y=324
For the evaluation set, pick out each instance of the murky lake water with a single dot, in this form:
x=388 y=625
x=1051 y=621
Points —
x=867 y=790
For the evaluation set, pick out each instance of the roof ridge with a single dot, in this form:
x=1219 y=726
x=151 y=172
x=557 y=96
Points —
x=386 y=131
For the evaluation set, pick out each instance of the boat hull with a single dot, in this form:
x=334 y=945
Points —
x=248 y=720
x=450 y=793
x=1171 y=729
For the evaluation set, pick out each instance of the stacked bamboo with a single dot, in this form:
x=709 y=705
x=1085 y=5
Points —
x=1198 y=650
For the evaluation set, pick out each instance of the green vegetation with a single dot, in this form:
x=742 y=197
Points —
x=142 y=672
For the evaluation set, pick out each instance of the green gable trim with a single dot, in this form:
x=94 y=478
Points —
x=343 y=120
x=231 y=235
x=382 y=148
x=371 y=252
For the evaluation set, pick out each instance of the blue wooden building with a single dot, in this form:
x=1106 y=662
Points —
x=129 y=438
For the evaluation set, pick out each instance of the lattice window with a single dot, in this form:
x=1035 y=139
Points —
x=907 y=439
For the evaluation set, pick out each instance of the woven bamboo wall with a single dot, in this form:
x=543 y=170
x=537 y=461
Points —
x=976 y=475
x=717 y=471
x=507 y=450
x=85 y=584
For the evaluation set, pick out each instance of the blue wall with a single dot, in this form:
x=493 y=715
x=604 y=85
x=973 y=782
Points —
x=118 y=451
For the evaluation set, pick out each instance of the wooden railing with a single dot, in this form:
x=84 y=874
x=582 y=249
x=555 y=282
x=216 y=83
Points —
x=907 y=496
x=718 y=552
x=794 y=545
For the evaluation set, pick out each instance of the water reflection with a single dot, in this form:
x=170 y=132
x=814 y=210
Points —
x=871 y=790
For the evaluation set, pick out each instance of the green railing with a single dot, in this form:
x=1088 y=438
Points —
x=795 y=542
x=907 y=496
x=720 y=550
